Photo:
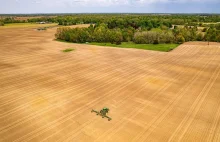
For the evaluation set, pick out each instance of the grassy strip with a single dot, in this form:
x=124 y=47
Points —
x=156 y=47
x=68 y=50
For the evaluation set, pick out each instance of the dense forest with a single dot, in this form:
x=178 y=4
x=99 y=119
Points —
x=140 y=29
x=102 y=33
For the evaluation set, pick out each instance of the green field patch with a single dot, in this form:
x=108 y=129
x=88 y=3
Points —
x=68 y=50
x=155 y=47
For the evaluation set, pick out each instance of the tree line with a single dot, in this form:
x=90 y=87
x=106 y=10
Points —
x=138 y=19
x=139 y=28
x=102 y=33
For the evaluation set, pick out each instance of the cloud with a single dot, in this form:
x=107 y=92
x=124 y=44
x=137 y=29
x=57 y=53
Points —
x=71 y=6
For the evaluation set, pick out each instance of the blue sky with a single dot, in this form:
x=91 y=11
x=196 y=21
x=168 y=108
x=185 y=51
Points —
x=108 y=6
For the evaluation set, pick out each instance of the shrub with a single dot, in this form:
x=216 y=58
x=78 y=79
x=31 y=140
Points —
x=217 y=26
x=153 y=37
x=166 y=37
x=82 y=35
x=2 y=23
x=200 y=37
x=204 y=29
x=162 y=27
x=156 y=41
x=68 y=50
x=180 y=39
x=118 y=42
x=60 y=34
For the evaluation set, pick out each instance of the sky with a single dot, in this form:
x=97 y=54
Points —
x=109 y=6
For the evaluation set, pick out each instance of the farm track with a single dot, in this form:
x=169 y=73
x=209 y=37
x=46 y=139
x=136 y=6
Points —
x=47 y=95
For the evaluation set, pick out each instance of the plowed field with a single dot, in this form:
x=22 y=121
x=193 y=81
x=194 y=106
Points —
x=48 y=95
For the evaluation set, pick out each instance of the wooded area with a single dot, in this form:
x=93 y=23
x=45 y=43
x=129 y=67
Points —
x=139 y=28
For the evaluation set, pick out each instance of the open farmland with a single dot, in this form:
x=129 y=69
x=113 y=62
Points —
x=48 y=95
x=27 y=25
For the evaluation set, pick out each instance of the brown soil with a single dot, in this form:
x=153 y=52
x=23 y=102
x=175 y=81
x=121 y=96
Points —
x=48 y=95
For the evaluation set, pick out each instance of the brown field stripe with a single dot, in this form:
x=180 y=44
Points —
x=28 y=71
x=74 y=131
x=134 y=111
x=86 y=122
x=165 y=109
x=33 y=86
x=125 y=98
x=43 y=76
x=25 y=61
x=100 y=76
x=123 y=101
x=122 y=122
x=37 y=60
x=52 y=68
x=188 y=119
x=50 y=64
x=216 y=123
x=130 y=113
x=209 y=129
x=37 y=79
x=196 y=105
x=184 y=125
x=119 y=88
x=169 y=107
x=52 y=96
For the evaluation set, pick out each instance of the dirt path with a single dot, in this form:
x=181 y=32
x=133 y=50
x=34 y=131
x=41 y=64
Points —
x=47 y=95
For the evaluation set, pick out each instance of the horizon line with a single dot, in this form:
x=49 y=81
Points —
x=110 y=13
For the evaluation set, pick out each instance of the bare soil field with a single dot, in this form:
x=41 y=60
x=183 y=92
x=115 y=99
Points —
x=48 y=95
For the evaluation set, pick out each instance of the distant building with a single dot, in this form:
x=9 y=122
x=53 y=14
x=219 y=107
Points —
x=42 y=22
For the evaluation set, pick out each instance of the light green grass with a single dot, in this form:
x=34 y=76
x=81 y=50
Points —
x=156 y=30
x=68 y=50
x=155 y=47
